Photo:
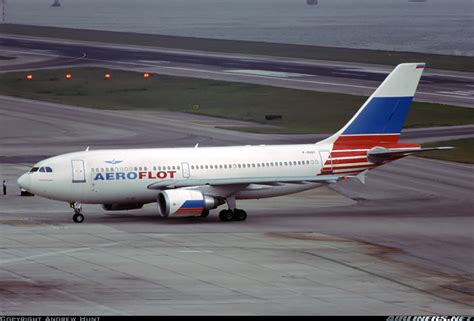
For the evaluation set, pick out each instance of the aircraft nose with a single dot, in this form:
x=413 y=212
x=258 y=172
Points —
x=24 y=181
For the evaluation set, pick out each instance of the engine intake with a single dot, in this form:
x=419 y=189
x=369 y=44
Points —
x=182 y=202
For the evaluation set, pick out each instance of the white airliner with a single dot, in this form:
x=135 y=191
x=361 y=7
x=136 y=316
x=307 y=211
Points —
x=192 y=181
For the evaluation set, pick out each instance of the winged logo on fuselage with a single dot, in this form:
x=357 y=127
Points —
x=113 y=162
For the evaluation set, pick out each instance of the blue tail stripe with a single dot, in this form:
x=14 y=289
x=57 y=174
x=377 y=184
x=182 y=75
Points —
x=381 y=115
x=193 y=204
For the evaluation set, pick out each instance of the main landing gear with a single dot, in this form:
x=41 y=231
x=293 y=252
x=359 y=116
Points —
x=232 y=214
x=77 y=217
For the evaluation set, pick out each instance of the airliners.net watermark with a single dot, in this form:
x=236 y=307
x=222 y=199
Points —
x=428 y=318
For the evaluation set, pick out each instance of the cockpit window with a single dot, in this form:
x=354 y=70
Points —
x=41 y=170
x=48 y=169
x=34 y=169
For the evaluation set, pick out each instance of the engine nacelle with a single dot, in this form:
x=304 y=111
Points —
x=183 y=202
x=121 y=206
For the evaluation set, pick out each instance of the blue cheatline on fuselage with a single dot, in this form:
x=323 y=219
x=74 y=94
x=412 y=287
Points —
x=381 y=115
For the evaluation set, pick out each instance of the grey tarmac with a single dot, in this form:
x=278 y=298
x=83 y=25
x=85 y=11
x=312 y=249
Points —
x=400 y=244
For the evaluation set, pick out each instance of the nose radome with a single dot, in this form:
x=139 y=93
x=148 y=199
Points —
x=24 y=181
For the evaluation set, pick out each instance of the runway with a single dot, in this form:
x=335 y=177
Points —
x=401 y=244
x=436 y=86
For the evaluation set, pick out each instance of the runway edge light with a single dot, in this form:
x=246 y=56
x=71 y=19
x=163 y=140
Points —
x=29 y=77
x=107 y=76
x=68 y=76
x=146 y=75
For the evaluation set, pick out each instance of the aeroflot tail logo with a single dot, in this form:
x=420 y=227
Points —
x=110 y=176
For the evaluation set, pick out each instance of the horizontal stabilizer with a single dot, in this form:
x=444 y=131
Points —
x=380 y=154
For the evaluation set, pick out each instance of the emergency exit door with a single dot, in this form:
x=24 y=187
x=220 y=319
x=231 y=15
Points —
x=185 y=169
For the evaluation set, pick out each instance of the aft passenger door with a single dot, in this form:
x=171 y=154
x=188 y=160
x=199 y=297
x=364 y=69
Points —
x=326 y=161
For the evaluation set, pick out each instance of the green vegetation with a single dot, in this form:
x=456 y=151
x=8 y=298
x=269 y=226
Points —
x=463 y=152
x=461 y=63
x=302 y=111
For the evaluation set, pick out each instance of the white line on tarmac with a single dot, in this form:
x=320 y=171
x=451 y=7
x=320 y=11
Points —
x=19 y=259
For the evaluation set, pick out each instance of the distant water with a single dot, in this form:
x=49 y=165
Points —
x=435 y=26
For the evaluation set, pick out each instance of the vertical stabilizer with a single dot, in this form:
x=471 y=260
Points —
x=384 y=113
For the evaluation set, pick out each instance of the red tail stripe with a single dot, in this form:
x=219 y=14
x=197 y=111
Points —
x=348 y=161
x=364 y=145
x=393 y=138
x=343 y=173
x=348 y=167
x=336 y=153
x=369 y=141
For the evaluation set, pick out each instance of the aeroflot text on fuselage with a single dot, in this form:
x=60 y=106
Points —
x=110 y=176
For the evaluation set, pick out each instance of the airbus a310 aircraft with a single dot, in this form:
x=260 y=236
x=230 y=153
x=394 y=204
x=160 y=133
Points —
x=192 y=181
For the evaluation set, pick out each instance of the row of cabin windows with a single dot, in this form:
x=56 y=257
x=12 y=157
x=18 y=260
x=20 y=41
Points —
x=253 y=165
x=197 y=167
x=136 y=168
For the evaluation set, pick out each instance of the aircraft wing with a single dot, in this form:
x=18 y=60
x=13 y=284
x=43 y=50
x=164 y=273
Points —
x=170 y=184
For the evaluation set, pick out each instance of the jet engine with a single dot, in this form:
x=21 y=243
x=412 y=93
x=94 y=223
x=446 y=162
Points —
x=182 y=202
x=121 y=206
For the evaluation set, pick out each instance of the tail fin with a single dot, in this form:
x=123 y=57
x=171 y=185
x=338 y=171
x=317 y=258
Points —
x=382 y=116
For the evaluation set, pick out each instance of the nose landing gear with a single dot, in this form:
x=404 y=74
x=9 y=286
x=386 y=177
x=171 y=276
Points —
x=78 y=217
